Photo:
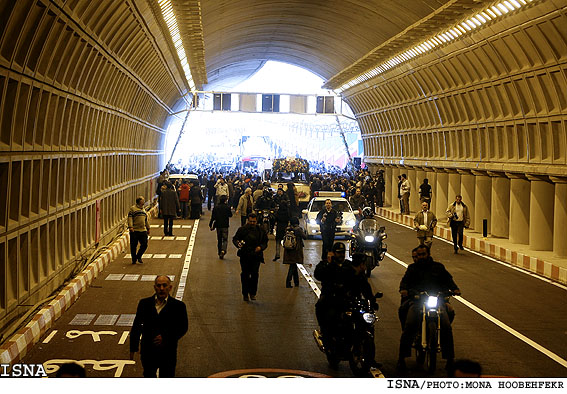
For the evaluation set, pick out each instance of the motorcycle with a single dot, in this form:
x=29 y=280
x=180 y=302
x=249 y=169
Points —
x=368 y=239
x=352 y=338
x=265 y=219
x=427 y=343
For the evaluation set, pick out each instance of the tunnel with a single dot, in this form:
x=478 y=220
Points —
x=471 y=94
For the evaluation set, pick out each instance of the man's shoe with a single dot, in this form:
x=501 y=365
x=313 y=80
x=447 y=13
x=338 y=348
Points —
x=245 y=297
x=252 y=297
x=221 y=255
x=140 y=261
x=134 y=262
x=460 y=247
x=288 y=285
x=456 y=251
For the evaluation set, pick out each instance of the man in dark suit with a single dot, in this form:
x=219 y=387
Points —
x=161 y=321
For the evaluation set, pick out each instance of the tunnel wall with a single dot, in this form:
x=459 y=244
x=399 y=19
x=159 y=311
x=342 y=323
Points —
x=84 y=92
x=485 y=114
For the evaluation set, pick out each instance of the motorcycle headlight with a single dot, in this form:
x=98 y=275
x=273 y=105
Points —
x=369 y=238
x=432 y=302
x=312 y=221
x=369 y=318
x=384 y=236
x=350 y=222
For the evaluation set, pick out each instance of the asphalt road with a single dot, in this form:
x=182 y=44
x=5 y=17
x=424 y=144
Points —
x=272 y=336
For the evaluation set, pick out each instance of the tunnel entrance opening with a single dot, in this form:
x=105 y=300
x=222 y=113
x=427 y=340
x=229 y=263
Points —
x=280 y=111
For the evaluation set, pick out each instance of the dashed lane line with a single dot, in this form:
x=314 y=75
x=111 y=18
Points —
x=187 y=262
x=499 y=323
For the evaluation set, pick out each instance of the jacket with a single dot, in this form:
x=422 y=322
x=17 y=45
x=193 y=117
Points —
x=195 y=194
x=431 y=223
x=451 y=212
x=253 y=236
x=330 y=223
x=169 y=202
x=243 y=205
x=291 y=256
x=427 y=276
x=184 y=192
x=221 y=214
x=171 y=323
x=138 y=219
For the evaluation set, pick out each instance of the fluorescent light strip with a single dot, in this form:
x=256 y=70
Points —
x=171 y=22
x=470 y=24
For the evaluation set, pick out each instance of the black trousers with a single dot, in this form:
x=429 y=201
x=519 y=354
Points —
x=292 y=273
x=136 y=237
x=165 y=362
x=457 y=228
x=328 y=240
x=250 y=271
x=167 y=225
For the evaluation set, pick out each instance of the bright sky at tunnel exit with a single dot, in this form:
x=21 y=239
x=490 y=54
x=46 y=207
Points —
x=228 y=136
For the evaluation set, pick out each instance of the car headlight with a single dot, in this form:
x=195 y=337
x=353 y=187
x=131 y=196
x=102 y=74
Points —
x=312 y=222
x=350 y=222
x=369 y=238
x=369 y=318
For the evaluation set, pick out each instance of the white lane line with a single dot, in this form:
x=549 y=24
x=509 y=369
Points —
x=310 y=280
x=50 y=336
x=187 y=263
x=123 y=338
x=508 y=265
x=500 y=324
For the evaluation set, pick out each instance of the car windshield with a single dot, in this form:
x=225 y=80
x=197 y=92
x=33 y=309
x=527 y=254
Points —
x=341 y=206
x=289 y=177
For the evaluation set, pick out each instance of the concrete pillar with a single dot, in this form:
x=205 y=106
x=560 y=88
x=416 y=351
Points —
x=542 y=201
x=414 y=195
x=560 y=217
x=482 y=188
x=499 y=205
x=454 y=186
x=519 y=209
x=387 y=186
x=467 y=191
x=394 y=190
x=440 y=201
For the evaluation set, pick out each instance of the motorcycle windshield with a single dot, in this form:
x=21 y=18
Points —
x=368 y=225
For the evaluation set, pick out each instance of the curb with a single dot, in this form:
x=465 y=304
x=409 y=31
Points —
x=512 y=257
x=22 y=341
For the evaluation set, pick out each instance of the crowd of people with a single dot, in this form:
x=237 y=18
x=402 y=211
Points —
x=244 y=195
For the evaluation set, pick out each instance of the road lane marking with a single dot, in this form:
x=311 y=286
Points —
x=499 y=323
x=503 y=263
x=187 y=263
x=50 y=336
x=310 y=280
x=123 y=338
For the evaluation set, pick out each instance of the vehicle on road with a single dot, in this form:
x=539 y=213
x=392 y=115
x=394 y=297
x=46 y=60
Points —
x=294 y=170
x=340 y=203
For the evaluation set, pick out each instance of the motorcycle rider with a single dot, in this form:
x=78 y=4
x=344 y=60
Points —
x=431 y=276
x=332 y=273
x=265 y=203
x=328 y=218
x=358 y=202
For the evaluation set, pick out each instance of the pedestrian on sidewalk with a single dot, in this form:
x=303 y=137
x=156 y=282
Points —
x=160 y=321
x=139 y=229
x=220 y=219
x=169 y=207
x=424 y=222
x=251 y=241
x=293 y=254
x=458 y=218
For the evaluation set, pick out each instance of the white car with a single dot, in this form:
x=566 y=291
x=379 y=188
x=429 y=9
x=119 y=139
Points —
x=317 y=203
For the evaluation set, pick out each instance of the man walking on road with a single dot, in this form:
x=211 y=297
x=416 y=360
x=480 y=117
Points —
x=328 y=219
x=139 y=229
x=168 y=207
x=220 y=219
x=161 y=321
x=459 y=219
x=424 y=222
x=251 y=241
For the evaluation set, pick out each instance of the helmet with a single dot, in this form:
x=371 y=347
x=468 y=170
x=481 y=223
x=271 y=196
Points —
x=367 y=212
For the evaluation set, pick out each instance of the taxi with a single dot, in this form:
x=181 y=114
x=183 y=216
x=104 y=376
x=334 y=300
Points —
x=317 y=203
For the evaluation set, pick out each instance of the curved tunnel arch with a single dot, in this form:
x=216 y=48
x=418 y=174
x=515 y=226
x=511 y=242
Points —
x=86 y=88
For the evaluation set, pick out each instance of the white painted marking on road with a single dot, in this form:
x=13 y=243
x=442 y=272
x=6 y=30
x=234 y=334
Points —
x=131 y=277
x=499 y=323
x=52 y=366
x=168 y=238
x=114 y=277
x=72 y=334
x=148 y=278
x=508 y=265
x=82 y=319
x=187 y=263
x=175 y=256
x=181 y=238
x=155 y=226
x=176 y=226
x=310 y=280
x=50 y=336
x=106 y=320
x=160 y=256
x=126 y=320
x=123 y=338
x=186 y=226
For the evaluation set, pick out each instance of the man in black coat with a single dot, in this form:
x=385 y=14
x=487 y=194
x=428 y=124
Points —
x=220 y=220
x=251 y=241
x=328 y=219
x=161 y=321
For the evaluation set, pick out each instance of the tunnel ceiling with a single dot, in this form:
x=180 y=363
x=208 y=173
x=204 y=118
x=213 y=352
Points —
x=322 y=36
